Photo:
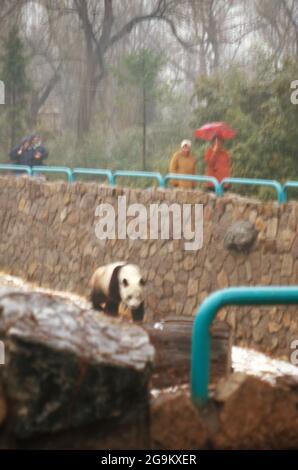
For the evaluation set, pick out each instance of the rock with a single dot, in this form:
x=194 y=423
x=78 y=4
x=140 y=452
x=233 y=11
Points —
x=177 y=424
x=295 y=247
x=192 y=287
x=222 y=280
x=274 y=327
x=168 y=288
x=226 y=388
x=22 y=204
x=255 y=316
x=287 y=382
x=189 y=263
x=287 y=265
x=260 y=225
x=272 y=228
x=240 y=236
x=63 y=214
x=256 y=415
x=68 y=367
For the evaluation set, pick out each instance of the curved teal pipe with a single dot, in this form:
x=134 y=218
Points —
x=200 y=360
x=289 y=185
x=8 y=167
x=199 y=178
x=95 y=172
x=140 y=174
x=53 y=169
x=258 y=182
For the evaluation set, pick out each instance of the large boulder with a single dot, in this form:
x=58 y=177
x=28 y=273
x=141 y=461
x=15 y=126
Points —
x=175 y=423
x=240 y=236
x=257 y=415
x=244 y=412
x=65 y=366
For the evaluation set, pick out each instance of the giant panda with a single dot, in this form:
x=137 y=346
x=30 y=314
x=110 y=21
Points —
x=116 y=283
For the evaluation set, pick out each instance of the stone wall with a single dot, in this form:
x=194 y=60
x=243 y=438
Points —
x=48 y=237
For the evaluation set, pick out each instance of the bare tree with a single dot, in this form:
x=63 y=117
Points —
x=9 y=8
x=280 y=25
x=102 y=29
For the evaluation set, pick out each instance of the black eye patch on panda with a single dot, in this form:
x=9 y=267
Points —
x=125 y=282
x=142 y=282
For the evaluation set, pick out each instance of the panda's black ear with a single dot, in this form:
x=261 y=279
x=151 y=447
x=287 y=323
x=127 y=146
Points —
x=142 y=282
x=125 y=282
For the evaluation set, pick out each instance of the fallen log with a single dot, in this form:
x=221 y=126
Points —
x=172 y=341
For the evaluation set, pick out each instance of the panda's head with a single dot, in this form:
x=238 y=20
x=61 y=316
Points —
x=131 y=286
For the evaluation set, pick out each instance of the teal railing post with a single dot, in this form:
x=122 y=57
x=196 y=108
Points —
x=140 y=174
x=200 y=360
x=199 y=178
x=258 y=182
x=10 y=167
x=96 y=172
x=289 y=185
x=53 y=169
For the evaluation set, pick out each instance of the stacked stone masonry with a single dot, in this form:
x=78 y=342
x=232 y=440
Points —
x=48 y=237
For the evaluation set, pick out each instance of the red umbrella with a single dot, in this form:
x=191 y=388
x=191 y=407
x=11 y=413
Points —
x=215 y=129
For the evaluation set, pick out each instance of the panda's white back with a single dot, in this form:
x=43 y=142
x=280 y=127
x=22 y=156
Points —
x=102 y=276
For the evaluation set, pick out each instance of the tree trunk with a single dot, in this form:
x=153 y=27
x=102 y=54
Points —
x=172 y=345
x=39 y=99
x=144 y=129
x=86 y=100
x=13 y=118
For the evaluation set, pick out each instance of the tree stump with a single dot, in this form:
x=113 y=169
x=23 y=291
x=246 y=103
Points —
x=172 y=341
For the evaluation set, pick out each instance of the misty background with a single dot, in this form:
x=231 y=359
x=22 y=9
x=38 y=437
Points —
x=119 y=83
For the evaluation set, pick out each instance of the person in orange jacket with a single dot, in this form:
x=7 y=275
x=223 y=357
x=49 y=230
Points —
x=183 y=162
x=218 y=161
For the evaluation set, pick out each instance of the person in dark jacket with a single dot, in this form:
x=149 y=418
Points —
x=29 y=151
x=38 y=152
x=20 y=153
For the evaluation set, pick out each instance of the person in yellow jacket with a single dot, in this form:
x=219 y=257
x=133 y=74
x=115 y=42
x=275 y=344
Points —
x=183 y=162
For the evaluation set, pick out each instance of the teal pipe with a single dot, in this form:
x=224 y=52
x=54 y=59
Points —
x=53 y=169
x=281 y=198
x=111 y=176
x=289 y=185
x=200 y=359
x=199 y=178
x=7 y=167
x=95 y=172
x=141 y=174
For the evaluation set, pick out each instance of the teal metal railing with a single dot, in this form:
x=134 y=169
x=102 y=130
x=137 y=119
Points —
x=96 y=172
x=257 y=182
x=200 y=360
x=140 y=174
x=198 y=178
x=289 y=185
x=53 y=169
x=162 y=180
x=16 y=168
